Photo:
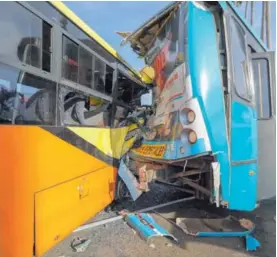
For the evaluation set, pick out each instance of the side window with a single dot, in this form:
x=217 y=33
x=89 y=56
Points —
x=262 y=87
x=85 y=67
x=77 y=108
x=128 y=95
x=46 y=46
x=78 y=67
x=25 y=98
x=103 y=77
x=124 y=89
x=70 y=60
x=240 y=63
x=99 y=75
x=128 y=91
x=23 y=35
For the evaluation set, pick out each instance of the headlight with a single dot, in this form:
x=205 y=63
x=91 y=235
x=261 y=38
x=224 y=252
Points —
x=187 y=116
x=191 y=116
x=192 y=137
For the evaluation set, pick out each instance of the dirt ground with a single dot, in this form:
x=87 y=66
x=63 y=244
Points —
x=118 y=240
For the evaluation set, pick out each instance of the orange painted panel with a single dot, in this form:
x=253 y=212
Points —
x=33 y=160
x=62 y=208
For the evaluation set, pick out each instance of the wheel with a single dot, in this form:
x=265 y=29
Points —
x=122 y=192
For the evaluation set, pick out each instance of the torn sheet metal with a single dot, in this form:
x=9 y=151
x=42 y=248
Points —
x=80 y=244
x=146 y=226
x=129 y=180
x=142 y=37
x=220 y=227
x=216 y=177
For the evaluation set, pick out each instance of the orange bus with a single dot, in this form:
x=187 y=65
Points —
x=64 y=93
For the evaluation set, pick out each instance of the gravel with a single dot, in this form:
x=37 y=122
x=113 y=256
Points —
x=118 y=240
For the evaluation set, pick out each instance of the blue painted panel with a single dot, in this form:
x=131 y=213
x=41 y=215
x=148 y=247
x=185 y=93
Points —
x=244 y=132
x=190 y=149
x=243 y=189
x=207 y=85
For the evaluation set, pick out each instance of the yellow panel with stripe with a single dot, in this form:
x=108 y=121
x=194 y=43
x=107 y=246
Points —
x=110 y=141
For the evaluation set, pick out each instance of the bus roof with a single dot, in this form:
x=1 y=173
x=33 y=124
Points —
x=142 y=37
x=61 y=7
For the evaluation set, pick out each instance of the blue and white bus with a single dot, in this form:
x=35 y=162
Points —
x=213 y=128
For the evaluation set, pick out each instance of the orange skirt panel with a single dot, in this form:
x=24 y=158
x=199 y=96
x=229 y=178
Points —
x=48 y=187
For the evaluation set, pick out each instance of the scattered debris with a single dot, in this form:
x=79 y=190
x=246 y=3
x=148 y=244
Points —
x=80 y=244
x=146 y=226
x=220 y=227
x=152 y=246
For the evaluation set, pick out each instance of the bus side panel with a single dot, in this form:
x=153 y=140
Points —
x=60 y=209
x=207 y=86
x=243 y=187
x=34 y=160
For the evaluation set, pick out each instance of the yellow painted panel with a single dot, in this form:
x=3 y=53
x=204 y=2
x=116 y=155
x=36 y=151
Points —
x=61 y=209
x=109 y=141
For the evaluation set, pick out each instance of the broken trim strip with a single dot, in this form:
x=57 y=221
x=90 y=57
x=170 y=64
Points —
x=105 y=221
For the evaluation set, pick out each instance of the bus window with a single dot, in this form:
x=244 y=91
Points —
x=262 y=91
x=46 y=9
x=8 y=80
x=128 y=91
x=240 y=64
x=39 y=100
x=80 y=109
x=70 y=59
x=46 y=46
x=125 y=89
x=21 y=33
x=85 y=67
x=103 y=77
x=25 y=98
x=24 y=37
x=99 y=75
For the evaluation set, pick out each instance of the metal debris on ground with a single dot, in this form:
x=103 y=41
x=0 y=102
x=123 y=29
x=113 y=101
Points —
x=146 y=226
x=80 y=244
x=220 y=227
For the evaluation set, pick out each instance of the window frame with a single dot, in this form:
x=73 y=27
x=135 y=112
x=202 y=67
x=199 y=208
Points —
x=45 y=19
x=85 y=93
x=94 y=55
x=248 y=78
x=62 y=52
x=51 y=47
x=271 y=81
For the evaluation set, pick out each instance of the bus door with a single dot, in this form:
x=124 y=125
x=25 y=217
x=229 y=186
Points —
x=243 y=129
x=264 y=83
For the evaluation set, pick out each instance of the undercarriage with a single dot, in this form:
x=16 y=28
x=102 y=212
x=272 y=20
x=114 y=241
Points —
x=193 y=176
